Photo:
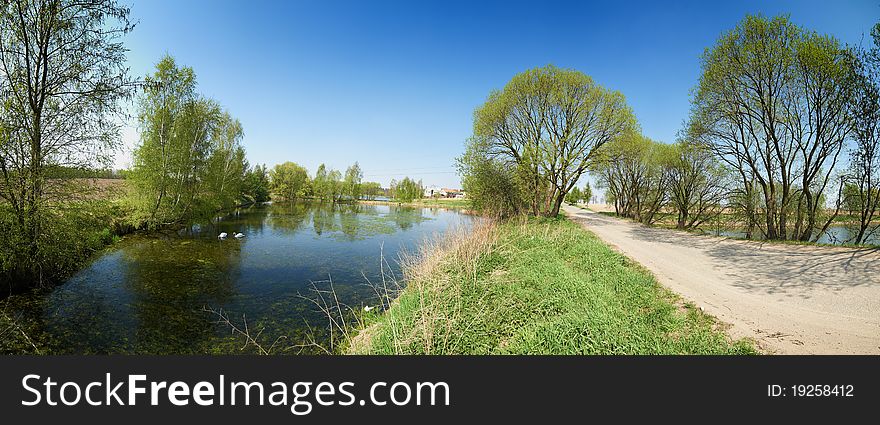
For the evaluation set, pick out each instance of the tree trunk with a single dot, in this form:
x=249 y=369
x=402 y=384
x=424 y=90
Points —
x=557 y=204
x=812 y=209
x=682 y=218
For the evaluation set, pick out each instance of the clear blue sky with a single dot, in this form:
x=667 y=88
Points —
x=394 y=85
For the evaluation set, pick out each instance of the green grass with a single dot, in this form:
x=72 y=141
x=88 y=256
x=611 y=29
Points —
x=536 y=287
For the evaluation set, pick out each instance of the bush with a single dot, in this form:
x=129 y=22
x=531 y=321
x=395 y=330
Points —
x=67 y=238
x=491 y=185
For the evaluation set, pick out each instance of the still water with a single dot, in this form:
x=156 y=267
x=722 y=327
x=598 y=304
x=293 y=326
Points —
x=149 y=293
x=835 y=235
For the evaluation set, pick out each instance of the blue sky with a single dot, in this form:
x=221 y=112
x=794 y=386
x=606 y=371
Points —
x=393 y=85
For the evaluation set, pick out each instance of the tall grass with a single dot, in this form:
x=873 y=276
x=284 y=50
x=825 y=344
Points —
x=432 y=289
x=532 y=286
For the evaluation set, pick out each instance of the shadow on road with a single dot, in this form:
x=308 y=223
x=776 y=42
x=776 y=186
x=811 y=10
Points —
x=761 y=267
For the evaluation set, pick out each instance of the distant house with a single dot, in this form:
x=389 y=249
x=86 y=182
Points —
x=432 y=191
x=452 y=193
x=438 y=192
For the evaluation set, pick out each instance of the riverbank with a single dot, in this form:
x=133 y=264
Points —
x=427 y=202
x=84 y=229
x=539 y=286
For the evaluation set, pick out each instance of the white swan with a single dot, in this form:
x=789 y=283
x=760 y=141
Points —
x=367 y=308
x=222 y=235
x=238 y=235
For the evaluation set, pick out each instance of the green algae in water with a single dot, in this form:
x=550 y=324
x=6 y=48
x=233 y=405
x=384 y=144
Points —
x=148 y=295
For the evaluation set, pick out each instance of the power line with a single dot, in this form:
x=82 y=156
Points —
x=404 y=174
x=377 y=170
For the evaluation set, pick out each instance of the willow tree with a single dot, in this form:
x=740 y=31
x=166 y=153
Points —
x=698 y=184
x=370 y=190
x=546 y=124
x=817 y=118
x=62 y=74
x=771 y=103
x=633 y=170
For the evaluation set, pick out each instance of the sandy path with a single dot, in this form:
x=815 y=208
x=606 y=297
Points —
x=791 y=299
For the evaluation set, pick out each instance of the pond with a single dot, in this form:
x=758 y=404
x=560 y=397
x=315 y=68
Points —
x=835 y=235
x=149 y=294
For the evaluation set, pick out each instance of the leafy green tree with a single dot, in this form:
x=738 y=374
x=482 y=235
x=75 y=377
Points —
x=544 y=129
x=321 y=185
x=407 y=190
x=587 y=193
x=862 y=190
x=175 y=142
x=224 y=174
x=633 y=172
x=334 y=185
x=492 y=186
x=256 y=184
x=289 y=180
x=190 y=161
x=771 y=103
x=698 y=184
x=352 y=184
x=573 y=196
x=371 y=190
x=327 y=184
x=63 y=74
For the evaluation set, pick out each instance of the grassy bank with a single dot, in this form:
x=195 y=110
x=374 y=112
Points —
x=537 y=287
x=69 y=236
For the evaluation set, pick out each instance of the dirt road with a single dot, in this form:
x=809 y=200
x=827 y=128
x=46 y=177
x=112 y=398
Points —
x=791 y=299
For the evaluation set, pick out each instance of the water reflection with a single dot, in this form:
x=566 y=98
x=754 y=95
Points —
x=834 y=235
x=148 y=295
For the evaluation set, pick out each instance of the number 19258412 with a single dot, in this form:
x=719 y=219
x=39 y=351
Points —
x=810 y=390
